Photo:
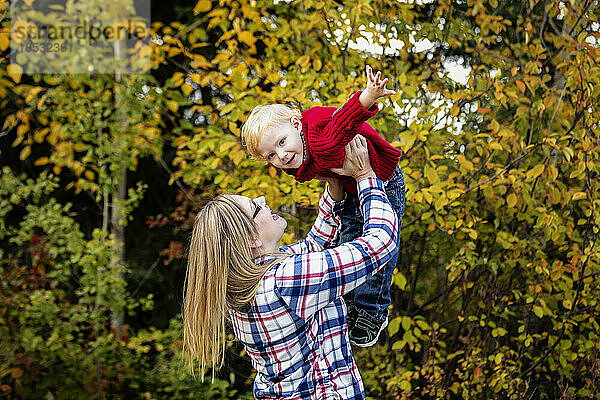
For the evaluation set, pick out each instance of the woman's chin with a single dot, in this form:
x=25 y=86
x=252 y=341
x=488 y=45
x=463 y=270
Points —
x=283 y=226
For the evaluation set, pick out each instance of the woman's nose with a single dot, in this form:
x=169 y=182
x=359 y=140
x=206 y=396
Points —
x=281 y=154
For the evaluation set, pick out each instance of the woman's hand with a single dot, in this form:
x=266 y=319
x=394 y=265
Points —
x=356 y=163
x=375 y=89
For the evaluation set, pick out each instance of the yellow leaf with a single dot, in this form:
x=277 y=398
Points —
x=521 y=86
x=431 y=174
x=15 y=71
x=202 y=6
x=317 y=64
x=39 y=135
x=579 y=195
x=32 y=93
x=511 y=200
x=553 y=171
x=495 y=146
x=186 y=88
x=25 y=153
x=247 y=37
x=89 y=174
x=54 y=134
x=399 y=280
x=195 y=78
x=494 y=126
x=4 y=41
x=41 y=161
x=303 y=61
x=440 y=202
x=535 y=171
x=233 y=127
x=237 y=157
x=172 y=105
x=22 y=130
x=498 y=358
x=402 y=80
x=177 y=78
x=513 y=70
x=272 y=171
x=41 y=102
x=79 y=147
x=466 y=164
x=455 y=110
x=227 y=146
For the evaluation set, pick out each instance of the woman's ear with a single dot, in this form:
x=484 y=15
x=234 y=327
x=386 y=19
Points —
x=256 y=243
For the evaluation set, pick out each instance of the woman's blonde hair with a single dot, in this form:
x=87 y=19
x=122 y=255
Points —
x=260 y=120
x=221 y=275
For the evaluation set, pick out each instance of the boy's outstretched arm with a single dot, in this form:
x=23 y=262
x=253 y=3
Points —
x=375 y=89
x=346 y=121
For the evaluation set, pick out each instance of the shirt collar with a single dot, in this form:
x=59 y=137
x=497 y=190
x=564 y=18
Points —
x=305 y=153
x=264 y=259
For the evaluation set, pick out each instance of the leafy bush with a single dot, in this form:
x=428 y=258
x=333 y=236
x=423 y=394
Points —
x=56 y=297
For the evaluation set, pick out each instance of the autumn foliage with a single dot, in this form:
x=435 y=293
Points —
x=495 y=294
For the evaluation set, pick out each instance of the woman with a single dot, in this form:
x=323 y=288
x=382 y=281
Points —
x=286 y=303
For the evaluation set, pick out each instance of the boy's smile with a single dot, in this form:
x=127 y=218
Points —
x=282 y=145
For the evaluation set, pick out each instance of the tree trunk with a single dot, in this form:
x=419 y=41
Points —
x=119 y=197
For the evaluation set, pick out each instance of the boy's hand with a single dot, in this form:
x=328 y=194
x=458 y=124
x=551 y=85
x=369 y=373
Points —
x=375 y=89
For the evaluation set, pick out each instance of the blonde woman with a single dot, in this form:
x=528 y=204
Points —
x=285 y=303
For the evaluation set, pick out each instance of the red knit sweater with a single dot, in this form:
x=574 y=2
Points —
x=326 y=134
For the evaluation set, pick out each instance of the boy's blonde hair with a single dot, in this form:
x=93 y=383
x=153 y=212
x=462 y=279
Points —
x=260 y=120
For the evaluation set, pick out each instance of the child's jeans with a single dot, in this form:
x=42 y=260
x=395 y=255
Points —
x=372 y=298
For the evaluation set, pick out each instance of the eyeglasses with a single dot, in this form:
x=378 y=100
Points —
x=257 y=208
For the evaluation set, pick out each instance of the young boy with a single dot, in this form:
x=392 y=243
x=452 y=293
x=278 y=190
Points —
x=307 y=145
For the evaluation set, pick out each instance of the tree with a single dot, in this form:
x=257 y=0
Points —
x=495 y=294
x=64 y=292
x=497 y=274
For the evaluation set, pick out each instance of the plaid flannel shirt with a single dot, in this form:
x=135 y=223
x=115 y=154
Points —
x=295 y=331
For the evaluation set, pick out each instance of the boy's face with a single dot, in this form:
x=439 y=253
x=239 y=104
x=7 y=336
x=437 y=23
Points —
x=282 y=145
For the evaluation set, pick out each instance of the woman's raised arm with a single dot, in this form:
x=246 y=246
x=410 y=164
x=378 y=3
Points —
x=310 y=281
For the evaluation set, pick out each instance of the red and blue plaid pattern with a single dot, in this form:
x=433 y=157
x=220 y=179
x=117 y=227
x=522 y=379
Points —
x=295 y=332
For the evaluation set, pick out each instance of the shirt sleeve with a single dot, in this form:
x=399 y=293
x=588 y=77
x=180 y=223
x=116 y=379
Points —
x=324 y=233
x=344 y=125
x=308 y=282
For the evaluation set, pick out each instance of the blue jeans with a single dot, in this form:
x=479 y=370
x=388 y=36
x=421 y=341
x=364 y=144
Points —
x=372 y=298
